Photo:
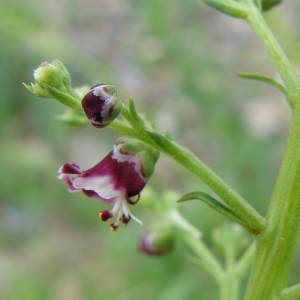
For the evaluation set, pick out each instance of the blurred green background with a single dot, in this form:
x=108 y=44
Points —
x=177 y=60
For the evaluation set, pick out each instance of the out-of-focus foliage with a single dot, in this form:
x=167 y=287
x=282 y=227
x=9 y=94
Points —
x=176 y=59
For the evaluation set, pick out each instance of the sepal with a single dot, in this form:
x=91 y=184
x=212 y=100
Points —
x=234 y=9
x=134 y=114
x=147 y=156
x=268 y=4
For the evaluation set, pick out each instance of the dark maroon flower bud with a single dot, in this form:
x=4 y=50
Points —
x=101 y=104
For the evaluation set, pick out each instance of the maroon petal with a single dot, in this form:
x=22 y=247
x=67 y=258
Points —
x=69 y=169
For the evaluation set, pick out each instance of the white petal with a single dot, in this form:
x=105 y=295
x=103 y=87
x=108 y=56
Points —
x=103 y=186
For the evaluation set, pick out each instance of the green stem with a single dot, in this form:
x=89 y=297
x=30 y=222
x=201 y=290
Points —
x=239 y=205
x=229 y=286
x=245 y=261
x=183 y=224
x=229 y=282
x=276 y=245
x=186 y=158
x=207 y=259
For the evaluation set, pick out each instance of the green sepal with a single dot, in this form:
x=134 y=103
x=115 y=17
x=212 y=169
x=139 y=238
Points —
x=64 y=73
x=73 y=118
x=37 y=90
x=134 y=114
x=229 y=7
x=214 y=204
x=267 y=4
x=147 y=155
x=263 y=78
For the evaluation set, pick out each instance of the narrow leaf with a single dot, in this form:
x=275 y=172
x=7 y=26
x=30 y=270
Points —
x=134 y=114
x=265 y=79
x=216 y=205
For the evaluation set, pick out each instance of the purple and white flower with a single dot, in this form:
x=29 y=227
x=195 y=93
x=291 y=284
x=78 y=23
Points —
x=121 y=175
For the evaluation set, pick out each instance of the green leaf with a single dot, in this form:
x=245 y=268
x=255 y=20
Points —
x=214 y=204
x=134 y=114
x=265 y=79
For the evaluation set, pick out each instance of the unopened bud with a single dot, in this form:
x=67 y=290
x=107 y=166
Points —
x=47 y=74
x=157 y=243
x=230 y=235
x=101 y=105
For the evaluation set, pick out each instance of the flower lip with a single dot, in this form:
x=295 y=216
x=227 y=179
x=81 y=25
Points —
x=69 y=169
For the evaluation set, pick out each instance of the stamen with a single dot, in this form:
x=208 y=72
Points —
x=105 y=215
x=129 y=214
x=121 y=213
x=113 y=227
x=125 y=219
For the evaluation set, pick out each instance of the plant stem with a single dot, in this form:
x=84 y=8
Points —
x=229 y=286
x=207 y=259
x=276 y=245
x=183 y=224
x=239 y=205
x=229 y=282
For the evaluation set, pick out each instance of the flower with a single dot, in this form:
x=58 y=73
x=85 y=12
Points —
x=101 y=104
x=121 y=175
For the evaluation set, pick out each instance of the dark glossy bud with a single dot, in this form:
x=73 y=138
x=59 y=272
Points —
x=101 y=105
